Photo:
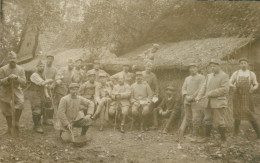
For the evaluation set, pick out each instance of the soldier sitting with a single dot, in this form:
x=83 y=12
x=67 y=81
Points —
x=141 y=96
x=102 y=99
x=71 y=113
x=120 y=95
x=168 y=108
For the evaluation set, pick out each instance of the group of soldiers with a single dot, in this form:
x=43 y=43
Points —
x=74 y=97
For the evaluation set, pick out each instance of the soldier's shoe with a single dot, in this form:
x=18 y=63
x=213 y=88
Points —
x=165 y=131
x=48 y=122
x=101 y=128
x=203 y=140
x=154 y=127
x=122 y=129
x=38 y=129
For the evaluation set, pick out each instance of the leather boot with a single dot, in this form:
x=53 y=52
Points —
x=84 y=130
x=37 y=124
x=18 y=113
x=9 y=124
x=195 y=131
x=207 y=134
x=122 y=128
x=49 y=117
x=222 y=131
x=256 y=128
x=155 y=120
x=236 y=127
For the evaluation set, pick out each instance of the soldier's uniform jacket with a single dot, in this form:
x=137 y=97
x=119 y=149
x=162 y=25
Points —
x=50 y=73
x=172 y=104
x=151 y=79
x=5 y=88
x=102 y=91
x=69 y=108
x=37 y=85
x=88 y=89
x=141 y=92
x=191 y=86
x=124 y=91
x=77 y=76
x=65 y=75
x=127 y=76
x=216 y=87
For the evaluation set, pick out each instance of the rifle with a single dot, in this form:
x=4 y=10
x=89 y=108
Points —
x=13 y=109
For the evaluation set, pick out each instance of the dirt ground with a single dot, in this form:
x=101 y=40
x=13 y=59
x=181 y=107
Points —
x=132 y=147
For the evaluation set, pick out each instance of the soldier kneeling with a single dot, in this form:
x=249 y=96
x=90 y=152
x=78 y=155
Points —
x=74 y=111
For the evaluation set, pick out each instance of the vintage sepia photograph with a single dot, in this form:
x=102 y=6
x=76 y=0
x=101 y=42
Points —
x=129 y=81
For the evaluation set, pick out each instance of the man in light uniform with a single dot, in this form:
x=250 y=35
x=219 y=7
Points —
x=193 y=113
x=120 y=95
x=77 y=73
x=128 y=76
x=141 y=96
x=215 y=89
x=12 y=77
x=71 y=113
x=103 y=100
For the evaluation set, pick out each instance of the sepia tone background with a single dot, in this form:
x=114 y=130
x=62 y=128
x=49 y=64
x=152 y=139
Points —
x=114 y=33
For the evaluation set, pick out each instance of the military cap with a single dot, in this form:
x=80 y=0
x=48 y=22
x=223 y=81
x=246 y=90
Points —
x=50 y=55
x=243 y=59
x=149 y=64
x=156 y=45
x=79 y=59
x=74 y=85
x=91 y=73
x=139 y=73
x=170 y=88
x=11 y=54
x=192 y=65
x=102 y=74
x=215 y=61
x=40 y=63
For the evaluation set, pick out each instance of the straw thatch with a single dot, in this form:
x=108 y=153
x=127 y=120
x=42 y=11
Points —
x=180 y=55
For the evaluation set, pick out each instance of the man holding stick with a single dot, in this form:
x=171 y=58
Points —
x=74 y=111
x=12 y=77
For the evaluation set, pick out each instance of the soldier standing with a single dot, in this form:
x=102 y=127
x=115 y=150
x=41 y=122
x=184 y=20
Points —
x=141 y=96
x=97 y=71
x=190 y=89
x=39 y=94
x=63 y=80
x=128 y=76
x=244 y=84
x=49 y=73
x=215 y=89
x=78 y=73
x=120 y=95
x=102 y=99
x=71 y=113
x=12 y=77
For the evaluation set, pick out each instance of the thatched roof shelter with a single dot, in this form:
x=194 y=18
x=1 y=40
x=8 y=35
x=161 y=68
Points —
x=180 y=54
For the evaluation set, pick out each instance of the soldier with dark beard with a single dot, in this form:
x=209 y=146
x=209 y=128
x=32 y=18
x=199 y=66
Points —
x=12 y=77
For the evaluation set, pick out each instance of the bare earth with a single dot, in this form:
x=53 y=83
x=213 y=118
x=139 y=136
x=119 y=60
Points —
x=112 y=146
